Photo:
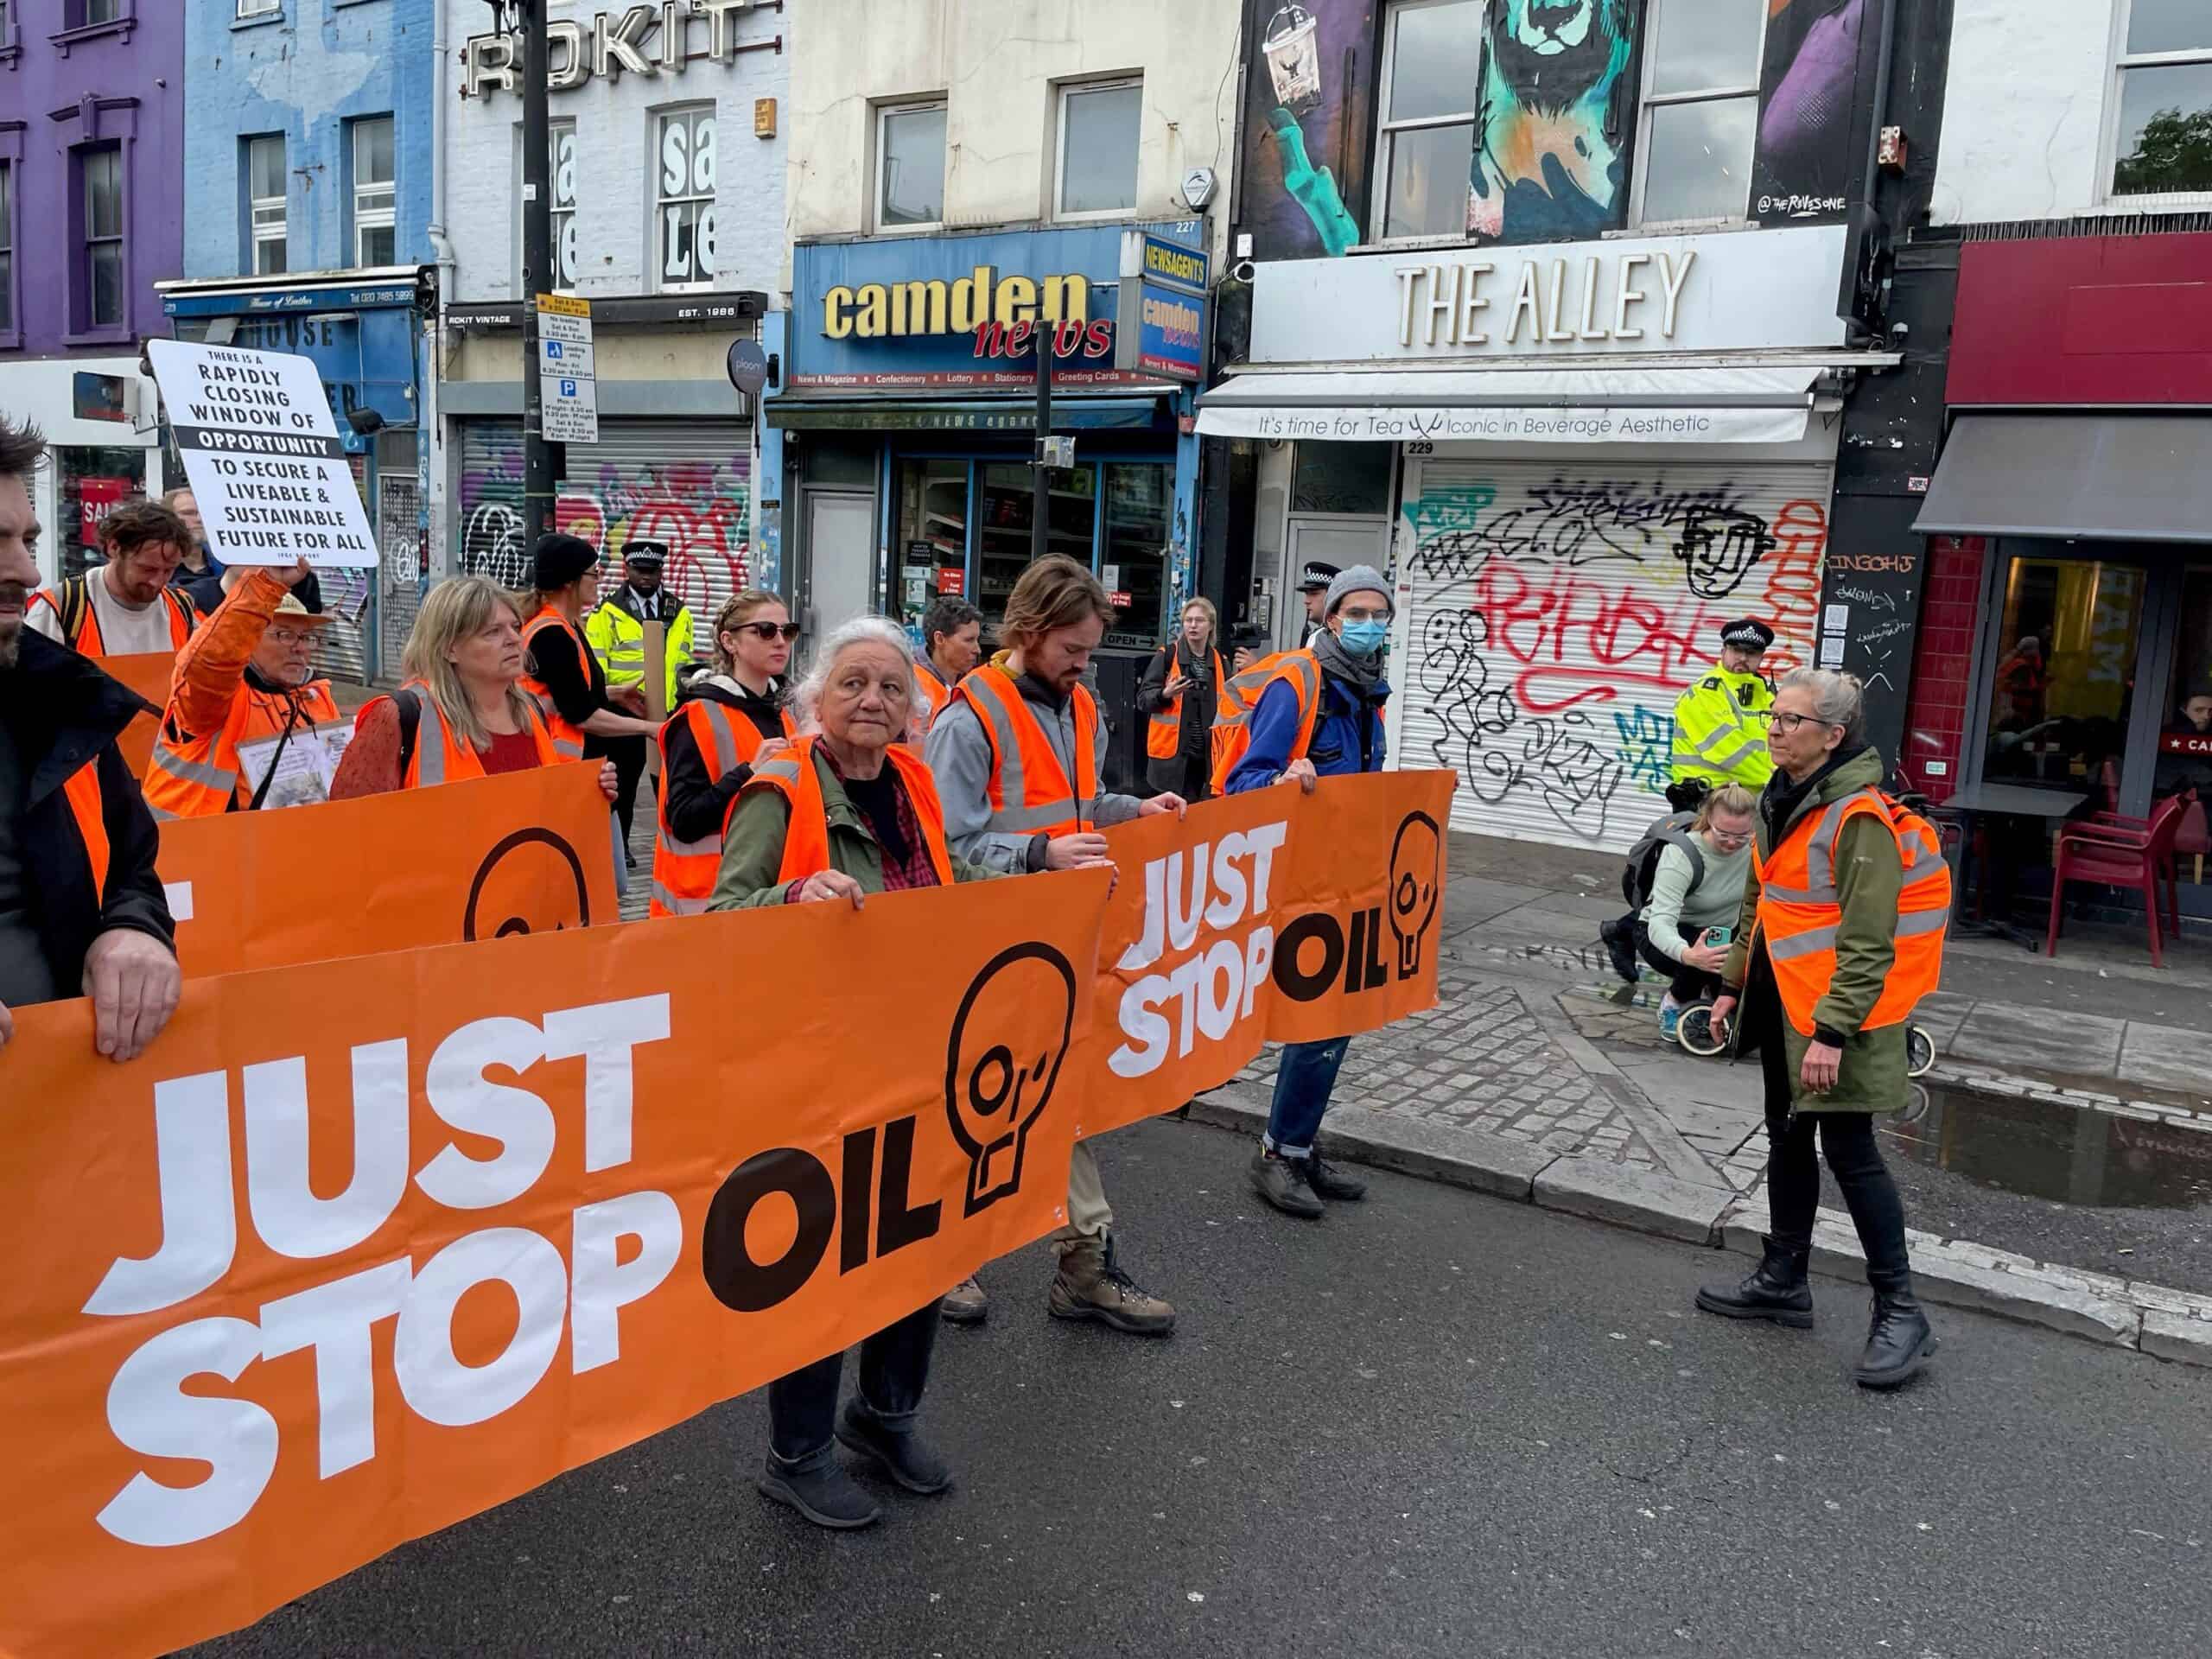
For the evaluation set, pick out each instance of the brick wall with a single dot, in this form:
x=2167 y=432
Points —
x=1936 y=717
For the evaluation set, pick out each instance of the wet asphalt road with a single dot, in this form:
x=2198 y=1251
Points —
x=1432 y=1424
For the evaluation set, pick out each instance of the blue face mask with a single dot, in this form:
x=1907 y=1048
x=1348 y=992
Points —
x=1364 y=638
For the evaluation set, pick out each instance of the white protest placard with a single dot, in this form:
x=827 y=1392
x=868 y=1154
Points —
x=262 y=456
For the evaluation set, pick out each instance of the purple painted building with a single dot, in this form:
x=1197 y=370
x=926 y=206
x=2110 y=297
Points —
x=92 y=216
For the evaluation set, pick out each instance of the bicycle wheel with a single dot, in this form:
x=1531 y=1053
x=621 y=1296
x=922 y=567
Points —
x=1919 y=1052
x=1696 y=1031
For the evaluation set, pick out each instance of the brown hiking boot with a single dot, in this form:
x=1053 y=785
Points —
x=964 y=1304
x=1091 y=1286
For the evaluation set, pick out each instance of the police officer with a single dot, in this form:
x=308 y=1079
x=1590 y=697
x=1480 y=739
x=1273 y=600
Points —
x=616 y=633
x=1720 y=723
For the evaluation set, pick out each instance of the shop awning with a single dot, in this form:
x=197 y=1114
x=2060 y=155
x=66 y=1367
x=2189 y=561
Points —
x=1586 y=403
x=2122 y=477
x=956 y=414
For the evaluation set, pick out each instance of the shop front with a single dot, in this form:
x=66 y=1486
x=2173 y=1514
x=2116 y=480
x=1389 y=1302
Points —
x=909 y=412
x=1577 y=462
x=363 y=333
x=104 y=444
x=2067 y=647
x=673 y=462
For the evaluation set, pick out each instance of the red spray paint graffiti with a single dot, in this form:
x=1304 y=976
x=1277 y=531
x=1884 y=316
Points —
x=1630 y=635
x=1793 y=584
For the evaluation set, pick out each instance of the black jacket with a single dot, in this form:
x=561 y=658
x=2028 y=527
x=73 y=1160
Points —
x=1194 y=742
x=695 y=801
x=63 y=712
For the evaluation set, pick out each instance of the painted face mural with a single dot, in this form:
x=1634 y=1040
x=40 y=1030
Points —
x=1549 y=163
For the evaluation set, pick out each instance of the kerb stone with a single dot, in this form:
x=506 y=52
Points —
x=1643 y=1199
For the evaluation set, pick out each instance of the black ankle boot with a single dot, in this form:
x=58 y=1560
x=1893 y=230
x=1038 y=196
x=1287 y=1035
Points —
x=1898 y=1340
x=1777 y=1290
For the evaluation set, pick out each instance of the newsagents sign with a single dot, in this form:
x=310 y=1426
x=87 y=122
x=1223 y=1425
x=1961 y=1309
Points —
x=1742 y=291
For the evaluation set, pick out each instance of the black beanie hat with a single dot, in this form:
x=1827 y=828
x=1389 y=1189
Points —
x=558 y=560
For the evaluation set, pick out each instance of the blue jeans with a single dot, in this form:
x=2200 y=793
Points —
x=894 y=1370
x=1304 y=1077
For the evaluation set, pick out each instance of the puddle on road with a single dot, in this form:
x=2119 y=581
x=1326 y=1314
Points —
x=2070 y=1154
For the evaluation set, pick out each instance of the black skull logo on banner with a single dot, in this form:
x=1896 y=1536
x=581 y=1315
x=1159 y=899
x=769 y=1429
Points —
x=993 y=1091
x=1416 y=875
x=532 y=883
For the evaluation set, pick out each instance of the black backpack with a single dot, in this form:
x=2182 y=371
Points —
x=1643 y=866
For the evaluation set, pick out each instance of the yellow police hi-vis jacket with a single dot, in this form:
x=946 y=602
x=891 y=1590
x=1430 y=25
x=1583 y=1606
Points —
x=1720 y=730
x=618 y=640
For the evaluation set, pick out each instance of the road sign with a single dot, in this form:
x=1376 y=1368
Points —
x=568 y=396
x=569 y=407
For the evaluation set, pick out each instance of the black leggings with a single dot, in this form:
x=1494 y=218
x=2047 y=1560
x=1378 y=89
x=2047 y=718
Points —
x=1793 y=1176
x=1689 y=984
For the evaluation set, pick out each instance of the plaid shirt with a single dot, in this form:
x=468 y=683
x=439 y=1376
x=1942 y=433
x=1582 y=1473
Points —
x=914 y=870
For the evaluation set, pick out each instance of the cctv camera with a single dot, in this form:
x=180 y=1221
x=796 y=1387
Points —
x=1242 y=270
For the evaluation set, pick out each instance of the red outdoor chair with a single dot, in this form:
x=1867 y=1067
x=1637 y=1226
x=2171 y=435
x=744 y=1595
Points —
x=2195 y=838
x=2122 y=852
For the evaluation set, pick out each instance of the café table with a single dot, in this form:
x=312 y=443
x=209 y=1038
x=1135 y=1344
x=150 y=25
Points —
x=1992 y=800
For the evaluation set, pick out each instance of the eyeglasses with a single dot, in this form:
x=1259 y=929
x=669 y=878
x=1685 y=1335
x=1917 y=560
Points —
x=1789 y=723
x=767 y=629
x=288 y=637
x=1728 y=837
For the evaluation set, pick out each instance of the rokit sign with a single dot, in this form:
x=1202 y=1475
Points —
x=642 y=40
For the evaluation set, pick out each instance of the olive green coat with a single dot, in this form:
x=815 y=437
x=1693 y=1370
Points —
x=1869 y=874
x=752 y=850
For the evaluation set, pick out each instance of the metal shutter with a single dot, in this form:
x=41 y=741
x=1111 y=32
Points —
x=686 y=484
x=400 y=574
x=1558 y=609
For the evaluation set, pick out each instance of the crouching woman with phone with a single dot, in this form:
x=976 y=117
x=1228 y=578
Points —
x=1684 y=931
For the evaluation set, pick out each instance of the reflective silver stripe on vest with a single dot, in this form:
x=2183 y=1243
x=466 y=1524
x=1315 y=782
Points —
x=429 y=758
x=676 y=906
x=784 y=767
x=1016 y=818
x=725 y=743
x=1811 y=942
x=1923 y=921
x=169 y=762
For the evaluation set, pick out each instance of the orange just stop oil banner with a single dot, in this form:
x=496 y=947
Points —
x=257 y=1339
x=521 y=852
x=362 y=1248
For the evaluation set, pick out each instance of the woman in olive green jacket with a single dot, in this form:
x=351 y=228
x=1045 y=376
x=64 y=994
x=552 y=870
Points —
x=1837 y=1078
x=857 y=701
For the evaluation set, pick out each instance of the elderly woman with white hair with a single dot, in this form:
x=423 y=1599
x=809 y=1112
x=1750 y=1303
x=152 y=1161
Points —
x=1840 y=934
x=838 y=813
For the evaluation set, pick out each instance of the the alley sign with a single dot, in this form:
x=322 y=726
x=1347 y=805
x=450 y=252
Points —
x=655 y=40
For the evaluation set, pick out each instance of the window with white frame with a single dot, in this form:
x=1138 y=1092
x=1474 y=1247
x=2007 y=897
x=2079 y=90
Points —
x=375 y=234
x=2161 y=104
x=266 y=186
x=102 y=172
x=6 y=235
x=683 y=201
x=1425 y=135
x=1700 y=109
x=1101 y=123
x=910 y=166
x=258 y=9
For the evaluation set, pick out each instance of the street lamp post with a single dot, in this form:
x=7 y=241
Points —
x=526 y=19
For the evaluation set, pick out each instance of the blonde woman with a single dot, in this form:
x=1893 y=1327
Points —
x=1690 y=898
x=708 y=746
x=463 y=712
x=1182 y=686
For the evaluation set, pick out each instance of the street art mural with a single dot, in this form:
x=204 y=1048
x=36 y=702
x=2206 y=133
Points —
x=1557 y=106
x=1556 y=622
x=1309 y=124
x=696 y=509
x=1807 y=94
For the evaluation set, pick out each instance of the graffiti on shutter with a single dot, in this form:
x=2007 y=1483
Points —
x=399 y=568
x=1557 y=613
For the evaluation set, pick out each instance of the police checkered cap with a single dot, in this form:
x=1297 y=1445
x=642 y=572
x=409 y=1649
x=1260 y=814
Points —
x=1747 y=634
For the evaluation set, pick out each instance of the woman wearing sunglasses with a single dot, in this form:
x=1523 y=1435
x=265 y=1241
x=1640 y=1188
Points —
x=708 y=745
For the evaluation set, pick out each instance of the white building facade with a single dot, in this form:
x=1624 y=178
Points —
x=668 y=129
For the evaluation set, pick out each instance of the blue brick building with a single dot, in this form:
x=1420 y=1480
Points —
x=309 y=196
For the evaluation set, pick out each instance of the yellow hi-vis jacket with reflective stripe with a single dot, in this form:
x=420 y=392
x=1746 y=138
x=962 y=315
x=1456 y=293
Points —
x=619 y=640
x=1720 y=730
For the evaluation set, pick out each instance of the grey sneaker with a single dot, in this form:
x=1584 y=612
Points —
x=1282 y=1182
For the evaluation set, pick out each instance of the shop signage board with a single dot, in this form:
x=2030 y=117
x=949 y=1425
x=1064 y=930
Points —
x=262 y=455
x=1774 y=289
x=567 y=394
x=1161 y=327
x=656 y=43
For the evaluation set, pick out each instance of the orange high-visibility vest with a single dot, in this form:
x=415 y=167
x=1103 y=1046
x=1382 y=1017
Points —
x=1164 y=737
x=441 y=755
x=1800 y=910
x=200 y=776
x=569 y=739
x=1029 y=789
x=935 y=692
x=88 y=643
x=1232 y=720
x=684 y=871
x=83 y=792
x=788 y=768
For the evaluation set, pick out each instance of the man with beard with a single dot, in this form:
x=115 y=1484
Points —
x=81 y=910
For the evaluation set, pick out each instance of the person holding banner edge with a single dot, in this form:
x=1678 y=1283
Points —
x=461 y=712
x=832 y=817
x=708 y=746
x=1318 y=715
x=1015 y=754
x=81 y=910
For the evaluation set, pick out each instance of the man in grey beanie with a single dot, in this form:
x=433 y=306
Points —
x=1320 y=715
